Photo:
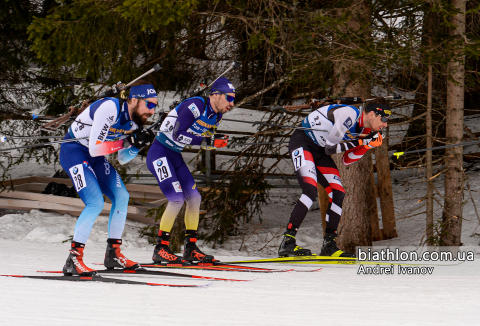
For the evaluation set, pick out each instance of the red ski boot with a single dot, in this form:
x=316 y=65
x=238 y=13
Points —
x=74 y=264
x=114 y=258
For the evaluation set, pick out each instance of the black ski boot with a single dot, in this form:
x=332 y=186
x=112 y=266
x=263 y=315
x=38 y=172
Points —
x=162 y=253
x=191 y=251
x=330 y=248
x=74 y=264
x=115 y=258
x=289 y=248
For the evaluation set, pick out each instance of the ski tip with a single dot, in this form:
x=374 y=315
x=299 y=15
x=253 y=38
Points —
x=308 y=271
x=11 y=275
x=56 y=272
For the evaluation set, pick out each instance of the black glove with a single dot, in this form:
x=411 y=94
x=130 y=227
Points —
x=140 y=138
x=215 y=141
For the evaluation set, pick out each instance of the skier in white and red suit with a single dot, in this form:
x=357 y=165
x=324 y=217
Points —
x=310 y=151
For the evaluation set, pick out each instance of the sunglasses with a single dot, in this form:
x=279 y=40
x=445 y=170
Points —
x=228 y=97
x=384 y=119
x=150 y=105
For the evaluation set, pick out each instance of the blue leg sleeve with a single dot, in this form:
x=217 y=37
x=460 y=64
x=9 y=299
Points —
x=77 y=163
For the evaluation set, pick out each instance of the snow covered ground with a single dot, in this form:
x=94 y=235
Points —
x=336 y=295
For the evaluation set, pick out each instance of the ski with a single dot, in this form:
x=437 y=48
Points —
x=102 y=279
x=301 y=260
x=309 y=260
x=215 y=268
x=157 y=273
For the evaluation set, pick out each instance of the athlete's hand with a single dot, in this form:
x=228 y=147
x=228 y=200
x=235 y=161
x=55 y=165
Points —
x=375 y=141
x=140 y=138
x=216 y=141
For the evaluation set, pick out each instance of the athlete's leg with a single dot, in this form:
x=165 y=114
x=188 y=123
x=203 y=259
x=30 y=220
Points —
x=161 y=163
x=329 y=178
x=112 y=186
x=77 y=163
x=192 y=215
x=303 y=162
x=75 y=160
x=191 y=196
x=302 y=154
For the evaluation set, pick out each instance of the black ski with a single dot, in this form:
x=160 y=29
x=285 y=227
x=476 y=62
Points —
x=158 y=273
x=101 y=279
x=216 y=268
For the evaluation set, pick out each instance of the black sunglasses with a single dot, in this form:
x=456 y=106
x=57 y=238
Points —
x=384 y=119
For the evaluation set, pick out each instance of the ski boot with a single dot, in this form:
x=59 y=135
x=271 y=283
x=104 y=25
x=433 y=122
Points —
x=74 y=264
x=330 y=248
x=162 y=253
x=114 y=258
x=288 y=247
x=191 y=251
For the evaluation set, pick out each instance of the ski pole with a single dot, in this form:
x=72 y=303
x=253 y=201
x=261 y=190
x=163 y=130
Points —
x=467 y=143
x=42 y=144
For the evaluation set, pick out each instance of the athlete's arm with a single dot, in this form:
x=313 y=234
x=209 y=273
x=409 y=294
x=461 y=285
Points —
x=104 y=116
x=187 y=113
x=345 y=118
x=355 y=154
x=125 y=155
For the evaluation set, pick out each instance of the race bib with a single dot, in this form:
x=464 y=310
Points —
x=78 y=177
x=298 y=158
x=162 y=169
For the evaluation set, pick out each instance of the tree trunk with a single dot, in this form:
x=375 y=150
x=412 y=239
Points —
x=360 y=202
x=453 y=206
x=429 y=229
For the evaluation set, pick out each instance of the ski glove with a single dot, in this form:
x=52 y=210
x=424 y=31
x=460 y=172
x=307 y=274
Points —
x=216 y=141
x=140 y=138
x=374 y=141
